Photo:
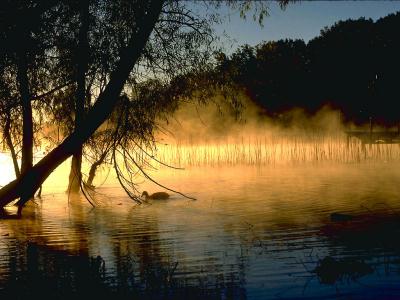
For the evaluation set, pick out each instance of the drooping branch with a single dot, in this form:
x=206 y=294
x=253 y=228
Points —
x=10 y=145
x=27 y=20
x=101 y=110
x=128 y=156
x=95 y=165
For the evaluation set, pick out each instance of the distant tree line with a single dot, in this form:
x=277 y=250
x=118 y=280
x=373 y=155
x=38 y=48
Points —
x=352 y=66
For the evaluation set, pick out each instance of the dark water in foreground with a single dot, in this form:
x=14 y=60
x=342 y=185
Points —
x=252 y=234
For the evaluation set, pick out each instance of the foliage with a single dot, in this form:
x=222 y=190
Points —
x=122 y=55
x=352 y=66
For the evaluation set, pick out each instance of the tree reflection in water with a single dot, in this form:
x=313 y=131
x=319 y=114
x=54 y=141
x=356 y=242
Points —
x=57 y=264
x=273 y=240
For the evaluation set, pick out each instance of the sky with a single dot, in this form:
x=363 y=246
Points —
x=300 y=20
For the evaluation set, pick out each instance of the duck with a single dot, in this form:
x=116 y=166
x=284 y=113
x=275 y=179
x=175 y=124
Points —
x=339 y=217
x=155 y=196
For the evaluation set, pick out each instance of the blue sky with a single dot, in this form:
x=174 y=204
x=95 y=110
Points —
x=302 y=20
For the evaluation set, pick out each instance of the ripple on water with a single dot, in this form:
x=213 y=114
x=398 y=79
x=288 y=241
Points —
x=256 y=234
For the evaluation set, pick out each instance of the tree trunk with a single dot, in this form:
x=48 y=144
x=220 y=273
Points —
x=75 y=173
x=81 y=57
x=27 y=123
x=7 y=136
x=101 y=110
x=93 y=169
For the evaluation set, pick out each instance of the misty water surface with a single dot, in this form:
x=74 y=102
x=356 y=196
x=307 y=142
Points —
x=252 y=233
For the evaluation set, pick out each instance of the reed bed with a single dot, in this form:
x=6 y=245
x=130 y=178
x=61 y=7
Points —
x=276 y=150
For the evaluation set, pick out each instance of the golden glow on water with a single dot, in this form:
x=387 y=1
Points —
x=263 y=209
x=253 y=150
x=294 y=195
x=255 y=223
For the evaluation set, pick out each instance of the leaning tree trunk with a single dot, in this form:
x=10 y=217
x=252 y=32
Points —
x=75 y=175
x=29 y=182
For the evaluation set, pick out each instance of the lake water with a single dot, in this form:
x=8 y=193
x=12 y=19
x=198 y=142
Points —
x=252 y=233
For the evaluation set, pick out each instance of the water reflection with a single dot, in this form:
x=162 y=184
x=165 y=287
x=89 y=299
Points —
x=252 y=233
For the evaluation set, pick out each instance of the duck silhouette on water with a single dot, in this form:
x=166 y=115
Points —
x=155 y=196
x=339 y=217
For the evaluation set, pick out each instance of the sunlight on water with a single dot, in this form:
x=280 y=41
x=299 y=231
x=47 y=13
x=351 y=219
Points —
x=253 y=232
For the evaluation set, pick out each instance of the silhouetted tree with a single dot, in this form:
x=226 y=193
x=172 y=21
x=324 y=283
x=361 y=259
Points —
x=136 y=40
x=9 y=122
x=351 y=66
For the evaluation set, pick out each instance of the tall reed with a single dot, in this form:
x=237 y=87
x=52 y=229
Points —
x=276 y=149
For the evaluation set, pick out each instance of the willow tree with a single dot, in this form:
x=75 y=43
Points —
x=129 y=42
x=9 y=121
x=24 y=76
x=180 y=41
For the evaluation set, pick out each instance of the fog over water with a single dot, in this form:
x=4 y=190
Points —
x=262 y=226
x=175 y=165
